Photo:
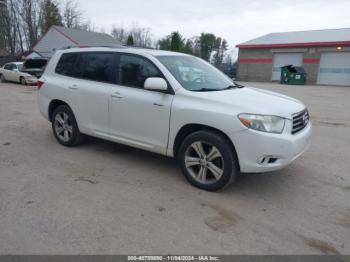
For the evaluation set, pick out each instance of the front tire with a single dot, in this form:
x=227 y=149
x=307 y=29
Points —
x=208 y=160
x=23 y=81
x=65 y=127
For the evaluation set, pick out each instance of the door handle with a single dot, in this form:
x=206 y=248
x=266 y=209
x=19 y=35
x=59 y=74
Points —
x=117 y=95
x=159 y=105
x=73 y=87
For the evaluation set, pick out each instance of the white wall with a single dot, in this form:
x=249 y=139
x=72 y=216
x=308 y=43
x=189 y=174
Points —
x=52 y=41
x=334 y=69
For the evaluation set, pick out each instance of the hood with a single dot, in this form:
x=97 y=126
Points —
x=255 y=101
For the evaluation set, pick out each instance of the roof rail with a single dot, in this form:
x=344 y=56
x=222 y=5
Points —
x=90 y=46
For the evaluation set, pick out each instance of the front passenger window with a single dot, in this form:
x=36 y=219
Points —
x=133 y=71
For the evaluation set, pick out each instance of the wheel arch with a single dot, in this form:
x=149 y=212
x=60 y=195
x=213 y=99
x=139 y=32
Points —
x=53 y=105
x=188 y=129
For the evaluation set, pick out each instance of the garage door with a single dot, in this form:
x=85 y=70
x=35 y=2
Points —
x=334 y=69
x=280 y=60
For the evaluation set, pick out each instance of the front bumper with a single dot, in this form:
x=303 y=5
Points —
x=260 y=152
x=31 y=81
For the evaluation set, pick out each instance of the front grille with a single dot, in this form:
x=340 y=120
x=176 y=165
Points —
x=300 y=121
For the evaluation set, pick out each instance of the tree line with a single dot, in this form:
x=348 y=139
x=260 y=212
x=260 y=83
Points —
x=207 y=46
x=23 y=22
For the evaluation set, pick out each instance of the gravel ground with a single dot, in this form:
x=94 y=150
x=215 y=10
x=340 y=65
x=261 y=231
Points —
x=106 y=198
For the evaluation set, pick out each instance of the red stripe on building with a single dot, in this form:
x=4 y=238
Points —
x=59 y=31
x=341 y=43
x=311 y=60
x=68 y=37
x=42 y=38
x=255 y=60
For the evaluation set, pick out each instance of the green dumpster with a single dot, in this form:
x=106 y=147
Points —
x=293 y=75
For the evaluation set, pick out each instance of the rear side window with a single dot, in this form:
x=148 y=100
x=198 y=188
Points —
x=133 y=71
x=68 y=65
x=8 y=67
x=98 y=67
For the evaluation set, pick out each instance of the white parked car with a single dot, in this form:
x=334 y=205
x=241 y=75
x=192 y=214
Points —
x=13 y=72
x=175 y=105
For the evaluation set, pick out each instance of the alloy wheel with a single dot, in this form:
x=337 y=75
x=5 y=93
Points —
x=204 y=162
x=63 y=127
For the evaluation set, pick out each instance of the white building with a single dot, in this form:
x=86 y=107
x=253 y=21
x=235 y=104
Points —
x=324 y=54
x=60 y=37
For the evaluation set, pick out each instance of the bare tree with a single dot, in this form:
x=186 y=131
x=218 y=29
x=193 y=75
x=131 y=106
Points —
x=142 y=36
x=9 y=34
x=18 y=25
x=31 y=13
x=72 y=15
x=88 y=26
x=23 y=22
x=120 y=33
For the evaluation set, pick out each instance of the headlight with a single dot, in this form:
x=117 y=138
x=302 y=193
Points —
x=264 y=123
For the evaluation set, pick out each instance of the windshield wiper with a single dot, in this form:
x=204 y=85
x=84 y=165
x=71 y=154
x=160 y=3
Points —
x=223 y=89
x=230 y=87
x=233 y=86
x=238 y=85
x=205 y=90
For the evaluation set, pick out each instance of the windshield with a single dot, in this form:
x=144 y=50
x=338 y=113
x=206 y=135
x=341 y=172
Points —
x=196 y=75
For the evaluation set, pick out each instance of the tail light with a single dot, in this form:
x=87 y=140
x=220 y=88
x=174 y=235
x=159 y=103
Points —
x=40 y=84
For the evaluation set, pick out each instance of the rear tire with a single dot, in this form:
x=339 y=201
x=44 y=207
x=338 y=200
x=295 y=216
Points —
x=208 y=160
x=2 y=79
x=65 y=127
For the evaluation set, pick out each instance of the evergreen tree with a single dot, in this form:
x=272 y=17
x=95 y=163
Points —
x=220 y=49
x=50 y=15
x=130 y=41
x=223 y=49
x=177 y=42
x=165 y=43
x=207 y=45
x=188 y=48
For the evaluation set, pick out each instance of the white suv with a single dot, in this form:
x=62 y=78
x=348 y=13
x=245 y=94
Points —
x=175 y=105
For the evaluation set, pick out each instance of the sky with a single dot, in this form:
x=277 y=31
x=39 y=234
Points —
x=235 y=20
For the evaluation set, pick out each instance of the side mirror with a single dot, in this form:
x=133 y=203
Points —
x=156 y=83
x=15 y=70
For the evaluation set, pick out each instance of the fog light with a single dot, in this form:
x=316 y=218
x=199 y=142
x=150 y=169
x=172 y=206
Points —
x=272 y=160
x=267 y=160
x=262 y=160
